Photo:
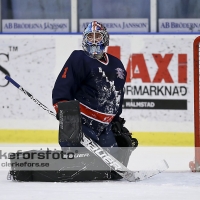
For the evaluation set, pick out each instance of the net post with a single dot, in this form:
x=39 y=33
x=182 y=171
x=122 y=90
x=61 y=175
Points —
x=196 y=53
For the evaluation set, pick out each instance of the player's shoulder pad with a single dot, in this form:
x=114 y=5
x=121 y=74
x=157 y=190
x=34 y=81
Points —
x=111 y=57
x=117 y=61
x=76 y=57
x=77 y=53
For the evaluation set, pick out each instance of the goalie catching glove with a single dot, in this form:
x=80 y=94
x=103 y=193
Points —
x=122 y=134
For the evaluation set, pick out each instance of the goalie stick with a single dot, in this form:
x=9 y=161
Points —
x=93 y=147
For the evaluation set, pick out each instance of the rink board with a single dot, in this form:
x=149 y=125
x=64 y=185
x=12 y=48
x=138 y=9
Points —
x=158 y=106
x=50 y=136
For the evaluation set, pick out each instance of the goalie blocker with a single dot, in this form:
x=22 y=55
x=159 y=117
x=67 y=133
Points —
x=73 y=163
x=70 y=122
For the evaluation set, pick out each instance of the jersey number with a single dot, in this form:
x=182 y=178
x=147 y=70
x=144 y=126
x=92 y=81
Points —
x=65 y=72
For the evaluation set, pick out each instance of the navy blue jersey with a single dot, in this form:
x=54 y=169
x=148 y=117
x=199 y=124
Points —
x=97 y=85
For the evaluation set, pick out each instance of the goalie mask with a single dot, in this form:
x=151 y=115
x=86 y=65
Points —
x=95 y=40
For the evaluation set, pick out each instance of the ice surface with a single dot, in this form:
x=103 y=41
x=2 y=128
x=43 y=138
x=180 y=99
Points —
x=177 y=183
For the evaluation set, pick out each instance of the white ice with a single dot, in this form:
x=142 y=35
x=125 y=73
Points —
x=177 y=183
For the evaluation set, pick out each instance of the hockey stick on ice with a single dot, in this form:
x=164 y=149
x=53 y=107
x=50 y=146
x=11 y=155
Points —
x=88 y=143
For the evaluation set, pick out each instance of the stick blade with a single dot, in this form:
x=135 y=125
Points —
x=157 y=169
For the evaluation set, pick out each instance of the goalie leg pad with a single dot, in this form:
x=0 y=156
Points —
x=83 y=167
x=70 y=128
x=124 y=140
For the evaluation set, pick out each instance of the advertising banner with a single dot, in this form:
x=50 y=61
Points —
x=35 y=25
x=179 y=25
x=119 y=25
x=159 y=84
x=30 y=62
